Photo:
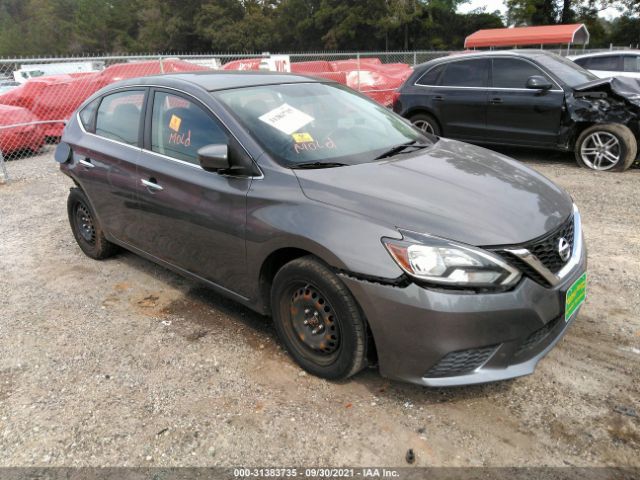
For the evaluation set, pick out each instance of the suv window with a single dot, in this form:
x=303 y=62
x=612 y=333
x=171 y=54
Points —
x=119 y=116
x=513 y=73
x=180 y=127
x=466 y=73
x=608 y=62
x=631 y=63
x=431 y=76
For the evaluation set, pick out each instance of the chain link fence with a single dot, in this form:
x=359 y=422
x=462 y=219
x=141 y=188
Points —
x=38 y=95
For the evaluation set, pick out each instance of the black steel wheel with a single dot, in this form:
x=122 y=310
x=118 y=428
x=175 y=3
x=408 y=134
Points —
x=86 y=228
x=318 y=320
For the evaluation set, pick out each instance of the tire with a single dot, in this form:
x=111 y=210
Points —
x=427 y=123
x=622 y=146
x=85 y=227
x=333 y=345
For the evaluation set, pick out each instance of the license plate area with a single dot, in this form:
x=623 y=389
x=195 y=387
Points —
x=575 y=296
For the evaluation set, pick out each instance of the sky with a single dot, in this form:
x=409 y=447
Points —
x=492 y=5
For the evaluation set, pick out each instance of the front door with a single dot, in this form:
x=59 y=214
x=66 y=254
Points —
x=190 y=218
x=517 y=115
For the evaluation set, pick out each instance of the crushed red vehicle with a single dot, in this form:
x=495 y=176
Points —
x=54 y=98
x=368 y=75
x=20 y=137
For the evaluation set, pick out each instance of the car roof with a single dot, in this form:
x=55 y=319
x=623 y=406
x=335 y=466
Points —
x=221 y=80
x=605 y=54
x=523 y=53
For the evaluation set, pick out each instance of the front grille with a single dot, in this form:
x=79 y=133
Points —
x=545 y=249
x=460 y=362
x=536 y=337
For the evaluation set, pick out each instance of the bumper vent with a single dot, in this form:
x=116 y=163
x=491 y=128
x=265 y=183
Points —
x=461 y=362
x=536 y=337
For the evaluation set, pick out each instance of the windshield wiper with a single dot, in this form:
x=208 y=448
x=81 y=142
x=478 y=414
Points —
x=399 y=148
x=318 y=165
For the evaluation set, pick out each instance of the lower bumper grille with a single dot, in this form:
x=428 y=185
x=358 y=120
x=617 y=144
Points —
x=461 y=362
x=536 y=337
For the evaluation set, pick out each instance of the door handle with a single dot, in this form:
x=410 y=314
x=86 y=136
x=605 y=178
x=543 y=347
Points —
x=151 y=184
x=86 y=162
x=495 y=100
x=438 y=98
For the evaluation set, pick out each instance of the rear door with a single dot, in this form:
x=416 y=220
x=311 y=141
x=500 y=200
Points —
x=190 y=218
x=517 y=115
x=460 y=98
x=107 y=157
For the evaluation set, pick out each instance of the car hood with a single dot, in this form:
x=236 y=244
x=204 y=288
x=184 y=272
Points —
x=624 y=87
x=452 y=190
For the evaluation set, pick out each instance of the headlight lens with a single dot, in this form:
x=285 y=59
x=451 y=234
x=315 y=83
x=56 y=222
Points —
x=444 y=262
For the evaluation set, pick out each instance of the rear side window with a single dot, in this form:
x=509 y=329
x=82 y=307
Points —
x=118 y=116
x=431 y=76
x=609 y=62
x=466 y=73
x=632 y=63
x=87 y=113
x=180 y=127
x=513 y=73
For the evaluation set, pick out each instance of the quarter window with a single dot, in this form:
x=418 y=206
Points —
x=118 y=116
x=431 y=77
x=466 y=73
x=513 y=73
x=179 y=128
x=86 y=115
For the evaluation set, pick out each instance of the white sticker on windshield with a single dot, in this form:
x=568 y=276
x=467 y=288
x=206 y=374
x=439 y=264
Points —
x=286 y=118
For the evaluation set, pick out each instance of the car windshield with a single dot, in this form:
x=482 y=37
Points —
x=316 y=124
x=569 y=72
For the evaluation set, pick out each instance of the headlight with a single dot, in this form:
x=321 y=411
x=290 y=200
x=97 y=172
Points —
x=443 y=262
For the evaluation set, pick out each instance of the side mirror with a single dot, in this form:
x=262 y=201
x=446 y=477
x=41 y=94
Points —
x=62 y=153
x=214 y=157
x=538 y=82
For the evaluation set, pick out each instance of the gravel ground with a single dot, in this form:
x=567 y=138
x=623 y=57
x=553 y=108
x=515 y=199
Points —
x=123 y=363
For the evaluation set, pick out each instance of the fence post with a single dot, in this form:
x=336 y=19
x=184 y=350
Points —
x=161 y=65
x=358 y=58
x=3 y=166
x=414 y=58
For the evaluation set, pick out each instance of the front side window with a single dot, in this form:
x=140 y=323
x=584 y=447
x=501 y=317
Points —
x=180 y=127
x=466 y=73
x=513 y=73
x=315 y=122
x=118 y=116
x=609 y=63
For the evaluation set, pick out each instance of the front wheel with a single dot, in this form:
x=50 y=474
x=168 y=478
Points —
x=606 y=147
x=318 y=320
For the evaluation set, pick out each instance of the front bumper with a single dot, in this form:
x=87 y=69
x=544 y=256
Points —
x=445 y=338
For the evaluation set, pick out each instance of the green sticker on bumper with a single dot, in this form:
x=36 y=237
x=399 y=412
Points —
x=575 y=296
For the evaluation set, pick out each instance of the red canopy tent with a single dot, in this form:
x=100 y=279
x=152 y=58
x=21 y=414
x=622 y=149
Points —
x=575 y=33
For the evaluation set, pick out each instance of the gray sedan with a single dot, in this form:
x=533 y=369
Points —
x=368 y=241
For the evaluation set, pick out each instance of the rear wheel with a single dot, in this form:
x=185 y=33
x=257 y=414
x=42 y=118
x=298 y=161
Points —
x=425 y=122
x=606 y=147
x=85 y=227
x=318 y=320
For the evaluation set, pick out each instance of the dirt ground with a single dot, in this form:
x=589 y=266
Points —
x=123 y=363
